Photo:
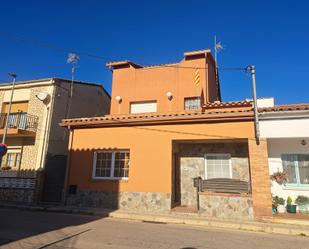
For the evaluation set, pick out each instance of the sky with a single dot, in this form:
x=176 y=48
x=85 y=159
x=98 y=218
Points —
x=36 y=37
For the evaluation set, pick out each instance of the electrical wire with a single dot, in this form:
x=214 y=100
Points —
x=51 y=46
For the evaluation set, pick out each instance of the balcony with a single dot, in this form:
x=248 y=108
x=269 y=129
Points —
x=20 y=124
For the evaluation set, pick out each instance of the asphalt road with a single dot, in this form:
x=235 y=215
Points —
x=25 y=229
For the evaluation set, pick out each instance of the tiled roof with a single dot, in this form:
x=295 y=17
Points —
x=281 y=108
x=219 y=104
x=124 y=62
x=172 y=64
x=196 y=52
x=155 y=118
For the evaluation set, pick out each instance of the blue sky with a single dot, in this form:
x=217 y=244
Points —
x=272 y=36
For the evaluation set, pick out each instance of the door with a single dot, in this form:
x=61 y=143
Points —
x=55 y=169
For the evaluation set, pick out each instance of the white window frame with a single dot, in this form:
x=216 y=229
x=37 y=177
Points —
x=13 y=150
x=219 y=154
x=112 y=166
x=298 y=184
x=194 y=98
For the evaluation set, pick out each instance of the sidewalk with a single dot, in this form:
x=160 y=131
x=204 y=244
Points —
x=275 y=225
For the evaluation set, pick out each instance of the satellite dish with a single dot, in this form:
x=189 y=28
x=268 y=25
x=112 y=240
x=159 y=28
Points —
x=43 y=96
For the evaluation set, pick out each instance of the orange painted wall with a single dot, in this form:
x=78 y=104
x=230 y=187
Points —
x=150 y=152
x=152 y=83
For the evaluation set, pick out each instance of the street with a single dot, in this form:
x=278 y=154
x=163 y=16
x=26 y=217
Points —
x=32 y=229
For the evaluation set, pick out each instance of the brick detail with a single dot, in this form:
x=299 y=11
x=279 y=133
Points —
x=261 y=194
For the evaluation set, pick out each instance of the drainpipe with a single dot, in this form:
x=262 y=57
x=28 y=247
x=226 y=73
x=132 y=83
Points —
x=44 y=137
x=48 y=125
x=68 y=164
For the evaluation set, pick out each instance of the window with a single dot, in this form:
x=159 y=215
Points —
x=12 y=159
x=192 y=103
x=218 y=166
x=143 y=107
x=297 y=168
x=111 y=164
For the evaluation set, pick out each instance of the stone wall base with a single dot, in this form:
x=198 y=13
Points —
x=26 y=196
x=226 y=207
x=133 y=201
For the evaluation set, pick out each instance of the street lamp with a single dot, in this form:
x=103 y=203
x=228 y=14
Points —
x=256 y=116
x=3 y=147
x=13 y=75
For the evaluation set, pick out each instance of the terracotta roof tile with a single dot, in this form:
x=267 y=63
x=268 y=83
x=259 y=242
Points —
x=219 y=104
x=289 y=107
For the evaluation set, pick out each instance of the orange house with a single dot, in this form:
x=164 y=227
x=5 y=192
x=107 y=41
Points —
x=170 y=144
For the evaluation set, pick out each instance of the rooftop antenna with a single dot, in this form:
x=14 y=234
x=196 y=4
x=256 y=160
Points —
x=73 y=59
x=217 y=47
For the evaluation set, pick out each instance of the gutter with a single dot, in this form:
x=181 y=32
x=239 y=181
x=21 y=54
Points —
x=295 y=114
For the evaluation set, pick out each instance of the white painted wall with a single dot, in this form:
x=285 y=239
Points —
x=277 y=147
x=284 y=128
x=265 y=102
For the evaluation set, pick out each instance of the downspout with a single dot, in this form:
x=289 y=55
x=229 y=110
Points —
x=68 y=165
x=44 y=137
x=47 y=127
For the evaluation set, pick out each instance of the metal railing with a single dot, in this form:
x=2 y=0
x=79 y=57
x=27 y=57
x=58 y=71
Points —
x=19 y=120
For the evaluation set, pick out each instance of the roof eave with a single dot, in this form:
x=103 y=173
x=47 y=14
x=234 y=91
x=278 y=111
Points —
x=219 y=117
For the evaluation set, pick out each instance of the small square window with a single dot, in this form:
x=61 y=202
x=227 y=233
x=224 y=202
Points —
x=192 y=103
x=218 y=166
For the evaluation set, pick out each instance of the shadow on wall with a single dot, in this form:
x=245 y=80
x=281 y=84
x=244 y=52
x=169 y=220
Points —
x=85 y=188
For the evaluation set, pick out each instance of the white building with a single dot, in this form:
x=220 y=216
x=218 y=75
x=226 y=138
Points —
x=286 y=128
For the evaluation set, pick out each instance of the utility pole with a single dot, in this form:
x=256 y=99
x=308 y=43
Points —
x=256 y=114
x=9 y=109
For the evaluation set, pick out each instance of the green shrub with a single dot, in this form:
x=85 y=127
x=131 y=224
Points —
x=302 y=200
x=278 y=201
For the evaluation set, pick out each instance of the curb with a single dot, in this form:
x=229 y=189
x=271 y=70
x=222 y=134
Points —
x=253 y=226
x=267 y=227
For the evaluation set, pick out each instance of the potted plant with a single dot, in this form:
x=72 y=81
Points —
x=279 y=177
x=303 y=203
x=279 y=203
x=6 y=168
x=291 y=208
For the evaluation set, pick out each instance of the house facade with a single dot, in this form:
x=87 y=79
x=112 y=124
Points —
x=170 y=144
x=34 y=138
x=286 y=129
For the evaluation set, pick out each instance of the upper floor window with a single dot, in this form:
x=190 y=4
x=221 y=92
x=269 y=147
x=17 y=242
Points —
x=143 y=107
x=297 y=168
x=111 y=164
x=192 y=103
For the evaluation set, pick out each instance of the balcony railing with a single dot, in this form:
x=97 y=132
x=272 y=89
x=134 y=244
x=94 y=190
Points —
x=19 y=120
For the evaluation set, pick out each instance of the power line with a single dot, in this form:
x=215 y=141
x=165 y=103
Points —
x=51 y=46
